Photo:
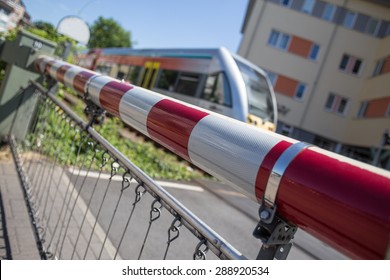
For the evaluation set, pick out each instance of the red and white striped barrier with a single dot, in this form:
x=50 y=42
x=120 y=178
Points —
x=341 y=201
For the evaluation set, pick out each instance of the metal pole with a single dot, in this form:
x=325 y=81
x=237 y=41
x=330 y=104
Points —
x=340 y=201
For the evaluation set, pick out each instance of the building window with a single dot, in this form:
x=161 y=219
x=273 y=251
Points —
x=350 y=64
x=279 y=40
x=378 y=67
x=315 y=49
x=349 y=19
x=300 y=91
x=373 y=26
x=362 y=109
x=308 y=6
x=329 y=12
x=286 y=3
x=336 y=104
x=272 y=77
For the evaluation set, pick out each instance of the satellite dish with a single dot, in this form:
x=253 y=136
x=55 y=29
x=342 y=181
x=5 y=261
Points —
x=75 y=28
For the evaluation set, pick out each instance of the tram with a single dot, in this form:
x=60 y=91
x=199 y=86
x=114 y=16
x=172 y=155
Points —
x=213 y=79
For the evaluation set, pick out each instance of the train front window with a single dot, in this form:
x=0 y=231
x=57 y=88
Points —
x=259 y=95
x=217 y=90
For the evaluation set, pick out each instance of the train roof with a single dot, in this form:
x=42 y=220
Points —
x=202 y=53
x=174 y=52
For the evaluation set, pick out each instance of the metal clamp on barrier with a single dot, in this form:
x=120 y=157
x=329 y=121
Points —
x=274 y=232
x=95 y=113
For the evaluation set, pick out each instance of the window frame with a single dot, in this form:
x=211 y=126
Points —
x=308 y=6
x=349 y=68
x=279 y=40
x=378 y=67
x=336 y=104
x=353 y=19
x=286 y=5
x=311 y=52
x=362 y=109
x=387 y=113
x=297 y=91
x=326 y=11
x=377 y=27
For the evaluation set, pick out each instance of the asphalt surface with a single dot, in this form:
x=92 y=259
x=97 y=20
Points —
x=102 y=210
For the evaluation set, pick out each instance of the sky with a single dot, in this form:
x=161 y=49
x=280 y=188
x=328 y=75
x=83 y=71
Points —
x=156 y=23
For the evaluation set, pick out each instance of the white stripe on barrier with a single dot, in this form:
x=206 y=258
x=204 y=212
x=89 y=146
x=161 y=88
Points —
x=230 y=150
x=69 y=76
x=135 y=106
x=95 y=85
x=54 y=68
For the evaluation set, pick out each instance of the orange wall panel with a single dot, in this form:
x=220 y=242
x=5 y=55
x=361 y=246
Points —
x=386 y=65
x=300 y=46
x=377 y=108
x=286 y=86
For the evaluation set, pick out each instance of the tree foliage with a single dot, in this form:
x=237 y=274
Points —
x=106 y=32
x=45 y=30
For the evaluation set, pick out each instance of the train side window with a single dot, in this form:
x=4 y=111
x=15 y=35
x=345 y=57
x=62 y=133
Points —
x=122 y=72
x=132 y=75
x=167 y=79
x=103 y=69
x=217 y=89
x=187 y=84
x=120 y=75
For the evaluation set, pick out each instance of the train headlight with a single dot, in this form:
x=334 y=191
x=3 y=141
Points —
x=258 y=122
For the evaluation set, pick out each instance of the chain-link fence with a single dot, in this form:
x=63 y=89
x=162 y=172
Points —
x=88 y=201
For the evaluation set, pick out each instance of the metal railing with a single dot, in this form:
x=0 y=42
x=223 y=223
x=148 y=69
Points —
x=78 y=216
x=295 y=184
x=330 y=196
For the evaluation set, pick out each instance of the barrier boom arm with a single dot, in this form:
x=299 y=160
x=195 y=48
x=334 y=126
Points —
x=341 y=201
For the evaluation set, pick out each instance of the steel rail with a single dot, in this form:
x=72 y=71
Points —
x=215 y=242
x=339 y=200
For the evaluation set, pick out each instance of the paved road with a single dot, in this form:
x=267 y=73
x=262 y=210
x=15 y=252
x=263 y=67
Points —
x=231 y=215
x=226 y=211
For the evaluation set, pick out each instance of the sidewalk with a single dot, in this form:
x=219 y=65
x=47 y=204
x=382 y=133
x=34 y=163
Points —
x=17 y=239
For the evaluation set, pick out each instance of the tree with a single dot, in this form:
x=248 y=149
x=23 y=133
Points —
x=107 y=33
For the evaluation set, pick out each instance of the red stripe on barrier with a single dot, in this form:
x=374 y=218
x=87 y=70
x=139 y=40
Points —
x=61 y=73
x=111 y=94
x=48 y=65
x=80 y=80
x=37 y=64
x=266 y=167
x=329 y=198
x=171 y=123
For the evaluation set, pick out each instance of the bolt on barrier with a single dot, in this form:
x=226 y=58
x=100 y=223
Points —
x=340 y=201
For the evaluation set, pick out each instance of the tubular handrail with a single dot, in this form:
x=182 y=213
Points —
x=339 y=200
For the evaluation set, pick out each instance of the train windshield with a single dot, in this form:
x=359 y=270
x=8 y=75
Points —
x=259 y=94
